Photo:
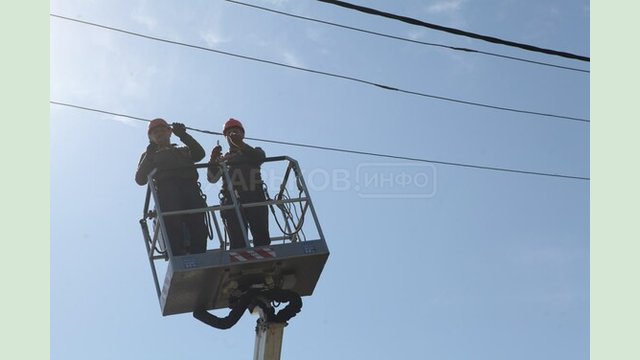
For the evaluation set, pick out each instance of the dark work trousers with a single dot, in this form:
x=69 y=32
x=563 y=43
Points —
x=187 y=232
x=257 y=218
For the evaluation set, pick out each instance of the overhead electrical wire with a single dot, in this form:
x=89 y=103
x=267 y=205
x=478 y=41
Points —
x=455 y=31
x=456 y=48
x=357 y=152
x=382 y=86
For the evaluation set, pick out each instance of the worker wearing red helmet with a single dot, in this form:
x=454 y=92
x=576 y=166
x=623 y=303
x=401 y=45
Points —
x=176 y=183
x=243 y=163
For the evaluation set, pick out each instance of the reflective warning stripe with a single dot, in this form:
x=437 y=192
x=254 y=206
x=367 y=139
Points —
x=255 y=254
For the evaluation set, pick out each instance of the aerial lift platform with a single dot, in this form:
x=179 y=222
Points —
x=252 y=278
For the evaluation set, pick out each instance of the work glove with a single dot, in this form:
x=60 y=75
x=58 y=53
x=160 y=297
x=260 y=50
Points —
x=215 y=153
x=179 y=129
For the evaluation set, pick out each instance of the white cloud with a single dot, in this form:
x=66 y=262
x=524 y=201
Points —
x=124 y=120
x=275 y=2
x=149 y=22
x=292 y=59
x=320 y=40
x=445 y=6
x=316 y=35
x=96 y=70
x=449 y=12
x=212 y=38
x=416 y=35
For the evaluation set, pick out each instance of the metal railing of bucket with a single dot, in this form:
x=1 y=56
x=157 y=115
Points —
x=287 y=212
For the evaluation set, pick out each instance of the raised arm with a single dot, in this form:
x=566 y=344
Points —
x=197 y=152
x=214 y=172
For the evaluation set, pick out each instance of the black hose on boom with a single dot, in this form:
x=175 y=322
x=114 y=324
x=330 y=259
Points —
x=251 y=299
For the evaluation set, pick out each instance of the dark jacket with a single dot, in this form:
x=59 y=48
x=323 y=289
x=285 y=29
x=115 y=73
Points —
x=175 y=162
x=244 y=169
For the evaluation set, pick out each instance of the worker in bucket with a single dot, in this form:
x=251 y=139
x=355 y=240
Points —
x=243 y=163
x=176 y=183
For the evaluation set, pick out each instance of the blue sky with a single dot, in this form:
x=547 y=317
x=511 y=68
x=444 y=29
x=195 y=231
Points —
x=476 y=265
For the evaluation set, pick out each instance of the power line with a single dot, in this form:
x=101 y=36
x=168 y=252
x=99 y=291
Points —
x=357 y=152
x=455 y=31
x=344 y=77
x=406 y=39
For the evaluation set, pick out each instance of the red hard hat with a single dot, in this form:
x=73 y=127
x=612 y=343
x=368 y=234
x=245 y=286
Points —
x=230 y=124
x=155 y=123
